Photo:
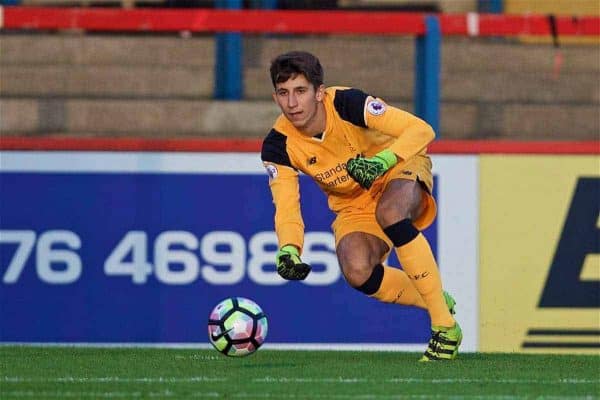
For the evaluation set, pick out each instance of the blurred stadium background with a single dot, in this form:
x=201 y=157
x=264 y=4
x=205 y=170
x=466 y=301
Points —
x=149 y=84
x=518 y=122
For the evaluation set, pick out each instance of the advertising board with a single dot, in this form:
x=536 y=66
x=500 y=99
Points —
x=137 y=247
x=540 y=253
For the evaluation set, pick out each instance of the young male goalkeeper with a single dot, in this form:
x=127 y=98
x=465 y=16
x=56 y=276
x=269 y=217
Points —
x=370 y=160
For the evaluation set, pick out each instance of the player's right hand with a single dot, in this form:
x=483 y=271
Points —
x=366 y=170
x=289 y=265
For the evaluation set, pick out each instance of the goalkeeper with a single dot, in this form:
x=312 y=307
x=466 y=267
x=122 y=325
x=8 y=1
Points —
x=371 y=161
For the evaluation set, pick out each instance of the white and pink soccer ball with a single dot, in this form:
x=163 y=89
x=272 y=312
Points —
x=237 y=326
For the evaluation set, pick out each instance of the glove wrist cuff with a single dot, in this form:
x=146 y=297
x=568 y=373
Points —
x=388 y=157
x=290 y=249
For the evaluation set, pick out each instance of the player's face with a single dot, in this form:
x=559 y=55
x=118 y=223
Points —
x=300 y=102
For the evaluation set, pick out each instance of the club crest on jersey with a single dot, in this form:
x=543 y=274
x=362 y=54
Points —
x=271 y=170
x=375 y=107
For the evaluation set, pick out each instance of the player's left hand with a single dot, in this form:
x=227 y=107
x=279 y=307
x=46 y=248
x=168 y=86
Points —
x=366 y=170
x=289 y=265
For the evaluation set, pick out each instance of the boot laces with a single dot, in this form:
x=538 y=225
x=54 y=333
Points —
x=434 y=343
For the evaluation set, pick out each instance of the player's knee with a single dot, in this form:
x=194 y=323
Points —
x=358 y=276
x=372 y=284
x=356 y=269
x=401 y=200
x=387 y=212
x=357 y=254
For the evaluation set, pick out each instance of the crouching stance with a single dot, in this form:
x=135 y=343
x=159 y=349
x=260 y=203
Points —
x=371 y=161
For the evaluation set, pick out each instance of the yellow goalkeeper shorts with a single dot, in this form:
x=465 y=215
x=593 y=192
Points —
x=362 y=219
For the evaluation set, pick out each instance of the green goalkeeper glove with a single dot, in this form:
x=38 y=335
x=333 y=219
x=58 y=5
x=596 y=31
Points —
x=366 y=170
x=289 y=265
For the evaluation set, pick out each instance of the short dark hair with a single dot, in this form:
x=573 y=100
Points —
x=288 y=65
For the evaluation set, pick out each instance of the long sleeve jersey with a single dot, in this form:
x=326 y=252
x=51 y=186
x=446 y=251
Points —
x=357 y=124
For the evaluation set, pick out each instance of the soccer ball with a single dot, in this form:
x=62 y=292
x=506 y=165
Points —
x=237 y=327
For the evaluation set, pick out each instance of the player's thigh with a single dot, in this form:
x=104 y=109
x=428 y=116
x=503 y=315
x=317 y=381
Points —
x=401 y=199
x=360 y=243
x=408 y=194
x=351 y=220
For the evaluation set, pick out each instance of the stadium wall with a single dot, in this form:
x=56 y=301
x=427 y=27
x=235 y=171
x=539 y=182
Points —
x=136 y=246
x=152 y=73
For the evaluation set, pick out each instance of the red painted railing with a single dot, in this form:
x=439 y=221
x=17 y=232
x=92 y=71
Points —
x=254 y=145
x=280 y=21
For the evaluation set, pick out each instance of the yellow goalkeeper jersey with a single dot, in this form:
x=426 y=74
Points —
x=357 y=124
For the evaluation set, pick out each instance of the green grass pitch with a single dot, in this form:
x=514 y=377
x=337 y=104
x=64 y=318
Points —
x=157 y=373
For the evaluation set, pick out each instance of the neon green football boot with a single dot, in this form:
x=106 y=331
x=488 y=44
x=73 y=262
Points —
x=444 y=342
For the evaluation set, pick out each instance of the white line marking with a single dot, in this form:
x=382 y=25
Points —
x=268 y=346
x=131 y=162
x=271 y=379
x=268 y=395
x=561 y=381
x=199 y=357
x=313 y=396
x=72 y=394
x=112 y=379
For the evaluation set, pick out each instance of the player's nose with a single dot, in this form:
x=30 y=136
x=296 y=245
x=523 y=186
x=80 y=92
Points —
x=292 y=101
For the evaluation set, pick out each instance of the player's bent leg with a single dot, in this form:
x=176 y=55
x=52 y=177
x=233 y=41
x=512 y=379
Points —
x=356 y=251
x=417 y=259
x=401 y=202
x=359 y=254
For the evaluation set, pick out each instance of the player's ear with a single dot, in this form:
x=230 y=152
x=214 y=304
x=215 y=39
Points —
x=320 y=93
x=274 y=95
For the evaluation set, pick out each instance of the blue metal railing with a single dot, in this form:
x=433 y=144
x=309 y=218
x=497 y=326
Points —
x=229 y=60
x=229 y=74
x=427 y=73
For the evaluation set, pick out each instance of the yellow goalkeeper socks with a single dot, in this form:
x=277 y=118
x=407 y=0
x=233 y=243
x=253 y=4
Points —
x=392 y=285
x=416 y=257
x=397 y=288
